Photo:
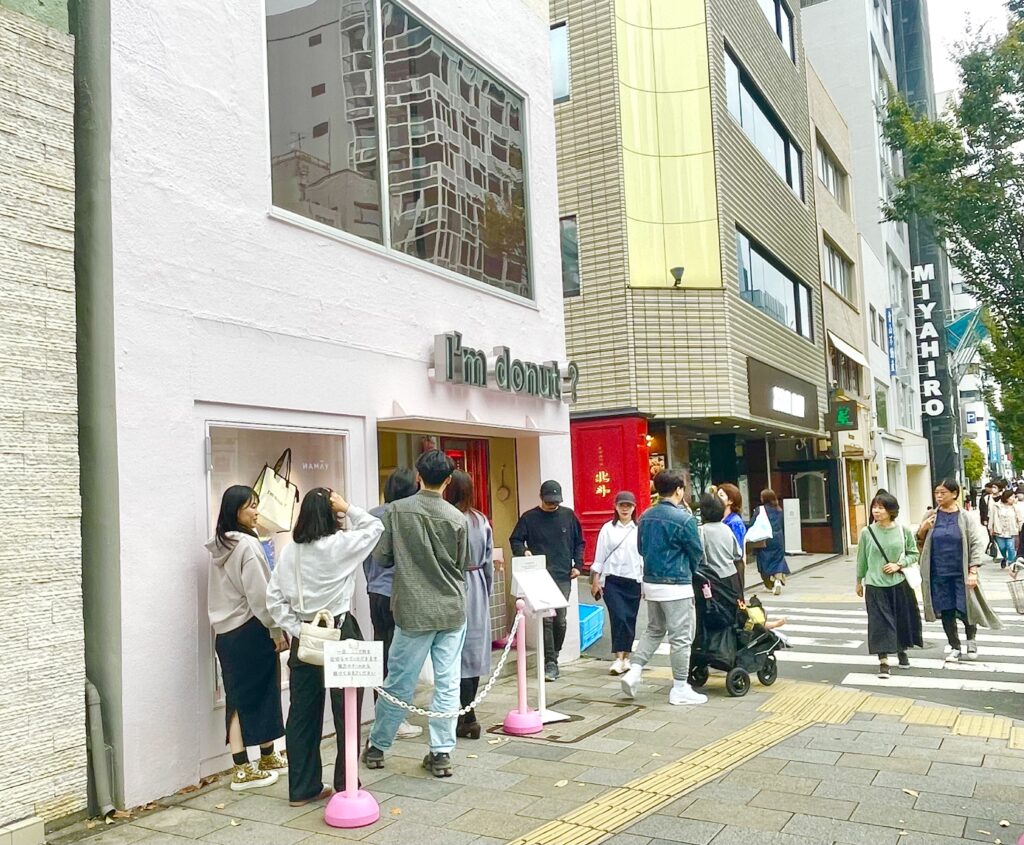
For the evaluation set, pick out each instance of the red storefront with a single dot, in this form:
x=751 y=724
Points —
x=608 y=455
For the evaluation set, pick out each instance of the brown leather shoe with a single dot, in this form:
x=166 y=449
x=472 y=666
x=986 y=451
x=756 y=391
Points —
x=326 y=792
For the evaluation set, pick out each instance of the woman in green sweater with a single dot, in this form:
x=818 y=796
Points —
x=884 y=550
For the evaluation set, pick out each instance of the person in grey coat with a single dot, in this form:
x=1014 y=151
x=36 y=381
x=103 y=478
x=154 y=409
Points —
x=476 y=651
x=952 y=550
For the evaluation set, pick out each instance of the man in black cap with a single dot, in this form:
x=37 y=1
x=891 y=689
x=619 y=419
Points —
x=555 y=532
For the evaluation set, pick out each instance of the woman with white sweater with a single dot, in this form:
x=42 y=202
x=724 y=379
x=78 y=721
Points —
x=318 y=572
x=247 y=639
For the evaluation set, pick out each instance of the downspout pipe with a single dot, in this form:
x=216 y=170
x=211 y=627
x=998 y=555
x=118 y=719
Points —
x=99 y=763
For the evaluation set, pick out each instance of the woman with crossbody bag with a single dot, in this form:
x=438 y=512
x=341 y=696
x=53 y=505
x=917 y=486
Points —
x=616 y=574
x=886 y=555
x=310 y=597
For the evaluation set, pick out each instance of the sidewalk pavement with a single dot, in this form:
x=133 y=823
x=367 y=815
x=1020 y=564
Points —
x=791 y=764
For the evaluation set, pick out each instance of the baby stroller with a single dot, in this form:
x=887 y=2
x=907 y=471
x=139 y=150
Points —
x=731 y=636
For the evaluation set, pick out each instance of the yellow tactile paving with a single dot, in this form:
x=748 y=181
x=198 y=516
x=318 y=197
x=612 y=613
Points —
x=560 y=833
x=1016 y=739
x=942 y=717
x=983 y=727
x=883 y=705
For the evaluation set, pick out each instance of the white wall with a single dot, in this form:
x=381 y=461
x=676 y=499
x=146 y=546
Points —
x=218 y=303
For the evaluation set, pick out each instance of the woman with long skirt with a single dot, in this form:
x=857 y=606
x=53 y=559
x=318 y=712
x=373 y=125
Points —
x=884 y=550
x=771 y=560
x=476 y=651
x=247 y=640
x=616 y=574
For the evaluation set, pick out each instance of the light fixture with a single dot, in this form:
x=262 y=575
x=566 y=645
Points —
x=677 y=274
x=718 y=422
x=735 y=426
x=753 y=429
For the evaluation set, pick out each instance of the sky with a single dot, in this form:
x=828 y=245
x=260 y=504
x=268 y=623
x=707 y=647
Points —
x=949 y=20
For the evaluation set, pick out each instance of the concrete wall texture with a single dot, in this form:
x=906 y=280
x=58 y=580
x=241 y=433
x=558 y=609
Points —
x=42 y=699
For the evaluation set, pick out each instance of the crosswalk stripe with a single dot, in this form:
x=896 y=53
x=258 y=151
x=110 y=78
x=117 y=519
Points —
x=859 y=679
x=787 y=656
x=801 y=628
x=823 y=615
x=823 y=643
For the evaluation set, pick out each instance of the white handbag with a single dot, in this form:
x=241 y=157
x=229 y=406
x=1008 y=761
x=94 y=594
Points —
x=761 y=530
x=278 y=496
x=313 y=635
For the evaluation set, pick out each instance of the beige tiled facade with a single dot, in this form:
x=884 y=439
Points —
x=681 y=353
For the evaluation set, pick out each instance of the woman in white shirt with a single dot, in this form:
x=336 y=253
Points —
x=617 y=573
x=318 y=572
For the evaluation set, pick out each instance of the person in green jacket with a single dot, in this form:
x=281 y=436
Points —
x=884 y=551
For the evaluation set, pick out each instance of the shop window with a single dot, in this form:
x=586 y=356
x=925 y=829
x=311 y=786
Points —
x=882 y=406
x=560 y=77
x=812 y=491
x=449 y=122
x=570 y=257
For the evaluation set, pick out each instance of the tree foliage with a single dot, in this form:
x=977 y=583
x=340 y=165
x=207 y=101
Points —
x=974 y=461
x=964 y=173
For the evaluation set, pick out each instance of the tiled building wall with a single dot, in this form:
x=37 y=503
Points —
x=42 y=698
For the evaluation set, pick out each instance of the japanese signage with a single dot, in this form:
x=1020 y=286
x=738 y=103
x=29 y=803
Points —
x=930 y=352
x=353 y=663
x=455 y=363
x=842 y=416
x=890 y=340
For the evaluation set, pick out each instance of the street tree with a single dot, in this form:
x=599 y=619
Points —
x=974 y=462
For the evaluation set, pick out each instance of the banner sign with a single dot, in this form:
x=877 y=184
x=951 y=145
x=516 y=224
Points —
x=890 y=341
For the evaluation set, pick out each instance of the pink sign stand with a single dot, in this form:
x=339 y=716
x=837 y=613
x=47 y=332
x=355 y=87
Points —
x=522 y=720
x=354 y=807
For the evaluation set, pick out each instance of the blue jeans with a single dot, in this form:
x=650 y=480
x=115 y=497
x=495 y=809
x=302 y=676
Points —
x=1007 y=548
x=406 y=657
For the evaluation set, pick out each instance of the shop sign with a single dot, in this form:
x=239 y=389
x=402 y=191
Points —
x=934 y=375
x=842 y=416
x=455 y=363
x=778 y=395
x=890 y=341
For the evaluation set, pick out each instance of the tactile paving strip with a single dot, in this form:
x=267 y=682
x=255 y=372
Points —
x=983 y=727
x=941 y=717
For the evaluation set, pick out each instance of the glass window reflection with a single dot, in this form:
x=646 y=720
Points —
x=570 y=257
x=771 y=291
x=559 y=44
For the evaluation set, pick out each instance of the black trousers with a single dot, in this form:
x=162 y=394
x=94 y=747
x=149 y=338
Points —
x=467 y=692
x=554 y=628
x=622 y=598
x=949 y=618
x=383 y=622
x=303 y=730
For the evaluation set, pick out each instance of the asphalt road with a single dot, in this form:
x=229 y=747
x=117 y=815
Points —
x=827 y=627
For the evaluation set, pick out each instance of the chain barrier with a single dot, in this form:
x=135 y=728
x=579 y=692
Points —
x=430 y=714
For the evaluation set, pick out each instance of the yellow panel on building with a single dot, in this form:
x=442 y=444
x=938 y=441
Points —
x=668 y=149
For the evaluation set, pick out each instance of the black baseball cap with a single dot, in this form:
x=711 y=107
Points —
x=551 y=493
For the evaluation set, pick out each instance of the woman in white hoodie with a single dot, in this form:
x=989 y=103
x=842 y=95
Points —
x=248 y=639
x=318 y=572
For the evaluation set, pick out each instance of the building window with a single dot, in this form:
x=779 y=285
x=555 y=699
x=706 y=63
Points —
x=455 y=139
x=559 y=44
x=883 y=334
x=781 y=20
x=812 y=491
x=882 y=406
x=845 y=372
x=570 y=257
x=873 y=324
x=838 y=271
x=766 y=286
x=316 y=39
x=831 y=174
x=318 y=90
x=762 y=126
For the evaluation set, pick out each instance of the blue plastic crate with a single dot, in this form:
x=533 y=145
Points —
x=591 y=624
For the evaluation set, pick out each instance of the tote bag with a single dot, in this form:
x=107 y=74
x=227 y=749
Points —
x=278 y=496
x=761 y=530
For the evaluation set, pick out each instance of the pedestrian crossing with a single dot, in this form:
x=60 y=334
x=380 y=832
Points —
x=828 y=639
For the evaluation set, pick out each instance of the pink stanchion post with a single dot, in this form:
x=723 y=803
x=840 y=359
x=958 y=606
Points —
x=354 y=807
x=522 y=720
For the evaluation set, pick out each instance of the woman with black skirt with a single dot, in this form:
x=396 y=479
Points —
x=248 y=640
x=884 y=551
x=318 y=572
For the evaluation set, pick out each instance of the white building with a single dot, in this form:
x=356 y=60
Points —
x=254 y=302
x=850 y=43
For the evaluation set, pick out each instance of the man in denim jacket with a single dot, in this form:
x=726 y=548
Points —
x=670 y=546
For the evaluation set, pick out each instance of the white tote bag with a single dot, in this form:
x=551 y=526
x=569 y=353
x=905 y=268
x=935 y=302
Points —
x=761 y=530
x=278 y=496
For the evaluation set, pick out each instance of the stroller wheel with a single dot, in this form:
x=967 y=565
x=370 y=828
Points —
x=737 y=682
x=698 y=676
x=769 y=672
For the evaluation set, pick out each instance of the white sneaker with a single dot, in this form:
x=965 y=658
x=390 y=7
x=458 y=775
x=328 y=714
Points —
x=777 y=589
x=683 y=693
x=616 y=668
x=631 y=681
x=972 y=650
x=407 y=731
x=953 y=656
x=626 y=665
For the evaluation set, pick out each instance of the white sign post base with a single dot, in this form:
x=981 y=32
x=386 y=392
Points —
x=532 y=582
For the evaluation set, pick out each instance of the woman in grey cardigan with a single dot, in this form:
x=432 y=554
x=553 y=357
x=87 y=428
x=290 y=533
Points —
x=952 y=549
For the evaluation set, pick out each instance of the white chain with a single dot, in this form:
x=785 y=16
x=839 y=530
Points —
x=430 y=714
